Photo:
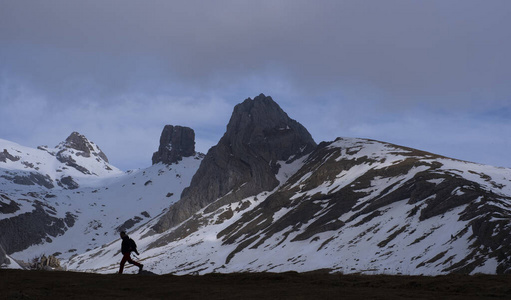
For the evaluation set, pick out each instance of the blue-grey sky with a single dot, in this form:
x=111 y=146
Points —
x=432 y=75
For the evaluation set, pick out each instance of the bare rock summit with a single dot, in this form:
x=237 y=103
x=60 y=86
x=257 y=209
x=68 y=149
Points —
x=260 y=136
x=176 y=142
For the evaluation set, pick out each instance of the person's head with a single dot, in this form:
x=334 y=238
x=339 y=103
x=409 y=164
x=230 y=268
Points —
x=123 y=234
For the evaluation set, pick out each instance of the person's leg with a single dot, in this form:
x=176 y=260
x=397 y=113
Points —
x=125 y=257
x=131 y=261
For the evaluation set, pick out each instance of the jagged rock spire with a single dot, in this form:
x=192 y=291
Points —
x=245 y=160
x=176 y=142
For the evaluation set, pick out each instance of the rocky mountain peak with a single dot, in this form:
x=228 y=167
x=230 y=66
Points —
x=176 y=142
x=79 y=142
x=259 y=137
x=261 y=127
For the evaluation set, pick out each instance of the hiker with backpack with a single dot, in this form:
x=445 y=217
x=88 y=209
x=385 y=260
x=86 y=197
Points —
x=127 y=246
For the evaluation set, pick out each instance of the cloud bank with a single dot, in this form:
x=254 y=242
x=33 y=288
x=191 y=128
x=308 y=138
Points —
x=431 y=75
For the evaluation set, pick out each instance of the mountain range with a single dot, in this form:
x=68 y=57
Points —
x=267 y=197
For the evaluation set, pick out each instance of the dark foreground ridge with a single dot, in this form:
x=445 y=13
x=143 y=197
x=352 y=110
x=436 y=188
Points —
x=18 y=284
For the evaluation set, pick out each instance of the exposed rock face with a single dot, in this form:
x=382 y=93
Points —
x=3 y=257
x=79 y=142
x=77 y=145
x=5 y=155
x=176 y=142
x=84 y=147
x=38 y=224
x=46 y=263
x=7 y=205
x=245 y=160
x=129 y=224
x=30 y=178
x=68 y=183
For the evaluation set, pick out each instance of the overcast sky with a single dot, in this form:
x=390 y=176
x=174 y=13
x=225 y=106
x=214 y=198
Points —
x=432 y=75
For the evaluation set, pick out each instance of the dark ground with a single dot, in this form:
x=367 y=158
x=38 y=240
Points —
x=18 y=284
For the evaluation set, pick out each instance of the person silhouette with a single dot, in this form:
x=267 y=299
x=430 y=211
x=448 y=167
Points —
x=127 y=246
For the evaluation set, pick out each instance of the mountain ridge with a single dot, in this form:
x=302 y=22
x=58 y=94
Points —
x=348 y=206
x=258 y=135
x=72 y=163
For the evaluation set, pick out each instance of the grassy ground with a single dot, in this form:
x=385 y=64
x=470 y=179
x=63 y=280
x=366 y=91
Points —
x=18 y=284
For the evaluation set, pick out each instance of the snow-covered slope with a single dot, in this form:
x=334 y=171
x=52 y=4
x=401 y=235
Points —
x=265 y=198
x=10 y=264
x=352 y=206
x=97 y=214
x=73 y=163
x=81 y=201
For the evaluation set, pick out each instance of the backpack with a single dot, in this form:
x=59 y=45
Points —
x=133 y=245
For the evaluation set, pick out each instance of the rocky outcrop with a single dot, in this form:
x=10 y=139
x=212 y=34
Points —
x=5 y=155
x=49 y=263
x=78 y=145
x=176 y=142
x=79 y=142
x=67 y=182
x=128 y=224
x=7 y=205
x=37 y=225
x=259 y=136
x=4 y=260
x=70 y=162
x=29 y=178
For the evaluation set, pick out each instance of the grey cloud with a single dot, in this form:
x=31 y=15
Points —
x=409 y=50
x=333 y=65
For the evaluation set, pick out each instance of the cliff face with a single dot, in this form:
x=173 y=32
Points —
x=176 y=142
x=3 y=257
x=245 y=160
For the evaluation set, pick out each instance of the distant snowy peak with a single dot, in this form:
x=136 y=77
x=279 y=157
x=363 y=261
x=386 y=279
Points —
x=83 y=155
x=72 y=163
x=79 y=142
